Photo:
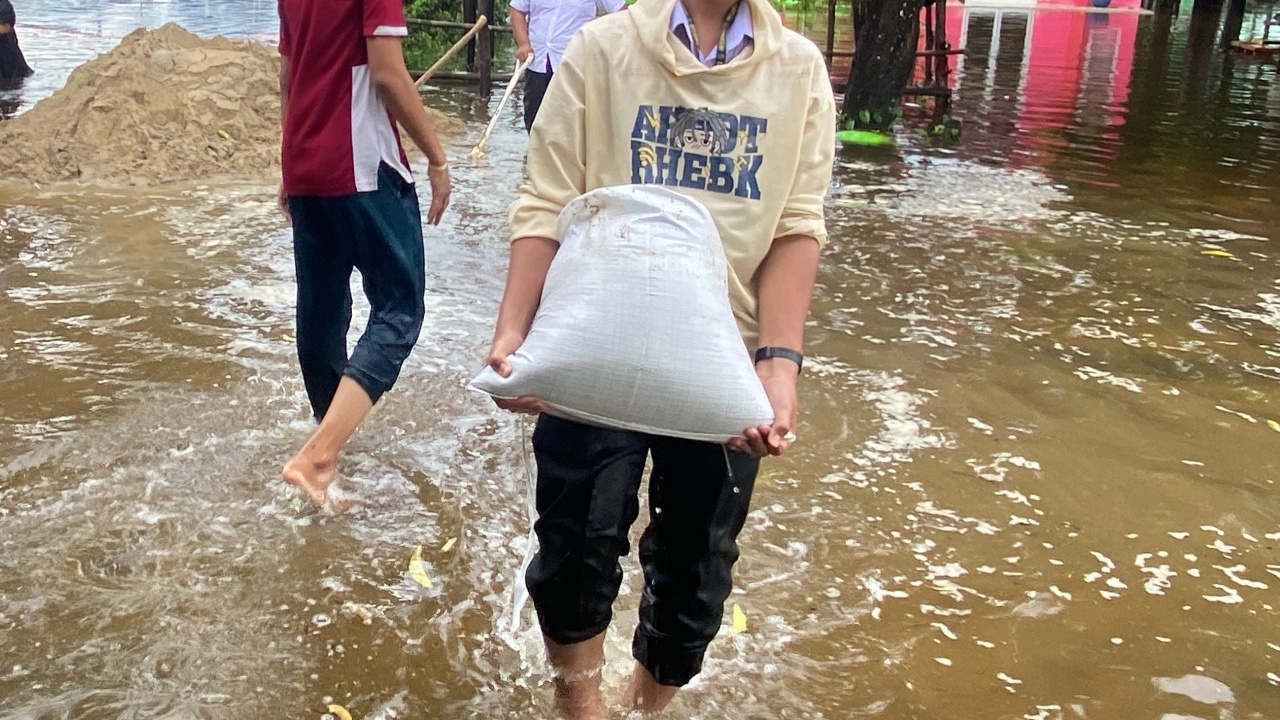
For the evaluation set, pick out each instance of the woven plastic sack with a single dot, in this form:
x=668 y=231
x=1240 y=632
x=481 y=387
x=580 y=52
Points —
x=635 y=330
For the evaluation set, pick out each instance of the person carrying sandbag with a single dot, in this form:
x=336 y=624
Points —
x=717 y=100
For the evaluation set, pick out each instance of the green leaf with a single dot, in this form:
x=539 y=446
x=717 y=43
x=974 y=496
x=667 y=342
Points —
x=864 y=116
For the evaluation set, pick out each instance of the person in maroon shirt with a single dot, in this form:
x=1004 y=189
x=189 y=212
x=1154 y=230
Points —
x=348 y=192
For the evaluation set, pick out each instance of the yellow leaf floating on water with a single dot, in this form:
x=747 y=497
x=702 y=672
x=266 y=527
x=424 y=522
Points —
x=448 y=545
x=1273 y=425
x=340 y=712
x=1217 y=253
x=416 y=569
x=739 y=619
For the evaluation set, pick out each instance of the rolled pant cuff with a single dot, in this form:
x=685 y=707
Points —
x=374 y=389
x=671 y=663
x=560 y=636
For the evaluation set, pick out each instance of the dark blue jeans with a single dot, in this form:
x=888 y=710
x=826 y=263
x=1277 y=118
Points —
x=587 y=497
x=380 y=234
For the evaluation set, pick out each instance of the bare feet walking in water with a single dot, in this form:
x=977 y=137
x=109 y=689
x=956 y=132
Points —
x=351 y=209
x=312 y=477
x=314 y=468
x=578 y=668
x=590 y=474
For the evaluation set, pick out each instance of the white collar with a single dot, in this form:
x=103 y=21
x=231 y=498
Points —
x=739 y=32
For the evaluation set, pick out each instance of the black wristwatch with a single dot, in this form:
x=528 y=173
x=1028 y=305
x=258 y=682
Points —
x=766 y=353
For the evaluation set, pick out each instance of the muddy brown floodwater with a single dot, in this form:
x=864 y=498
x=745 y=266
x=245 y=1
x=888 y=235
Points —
x=1036 y=470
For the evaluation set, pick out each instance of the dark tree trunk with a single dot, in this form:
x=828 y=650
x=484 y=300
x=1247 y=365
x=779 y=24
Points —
x=1233 y=24
x=885 y=37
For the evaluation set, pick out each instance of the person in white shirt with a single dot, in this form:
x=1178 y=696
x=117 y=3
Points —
x=543 y=29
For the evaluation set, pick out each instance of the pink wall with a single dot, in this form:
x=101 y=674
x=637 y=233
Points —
x=1070 y=49
x=1077 y=72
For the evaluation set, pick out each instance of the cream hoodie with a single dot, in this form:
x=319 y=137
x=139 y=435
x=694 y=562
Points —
x=753 y=139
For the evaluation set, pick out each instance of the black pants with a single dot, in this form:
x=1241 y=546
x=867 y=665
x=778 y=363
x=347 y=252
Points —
x=535 y=87
x=13 y=65
x=380 y=233
x=587 y=497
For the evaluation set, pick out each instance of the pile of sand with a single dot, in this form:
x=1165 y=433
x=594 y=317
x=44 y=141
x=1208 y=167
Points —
x=163 y=106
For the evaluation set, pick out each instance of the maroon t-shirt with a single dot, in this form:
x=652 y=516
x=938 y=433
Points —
x=337 y=131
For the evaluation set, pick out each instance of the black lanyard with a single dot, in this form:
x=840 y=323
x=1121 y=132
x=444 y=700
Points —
x=722 y=52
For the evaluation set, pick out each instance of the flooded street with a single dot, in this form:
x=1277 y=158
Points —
x=1037 y=459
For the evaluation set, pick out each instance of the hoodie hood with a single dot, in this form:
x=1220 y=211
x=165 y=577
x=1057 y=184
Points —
x=652 y=20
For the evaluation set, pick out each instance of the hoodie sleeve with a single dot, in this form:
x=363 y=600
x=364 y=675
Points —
x=803 y=212
x=557 y=151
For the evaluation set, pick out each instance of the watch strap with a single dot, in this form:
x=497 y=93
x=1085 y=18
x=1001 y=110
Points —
x=769 y=352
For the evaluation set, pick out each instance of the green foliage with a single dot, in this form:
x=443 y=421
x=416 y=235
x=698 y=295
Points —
x=801 y=7
x=804 y=8
x=451 y=10
x=946 y=130
x=433 y=10
x=843 y=7
x=425 y=45
x=881 y=119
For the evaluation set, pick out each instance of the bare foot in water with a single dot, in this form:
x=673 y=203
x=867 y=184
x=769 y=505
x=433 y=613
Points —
x=312 y=478
x=580 y=703
x=313 y=469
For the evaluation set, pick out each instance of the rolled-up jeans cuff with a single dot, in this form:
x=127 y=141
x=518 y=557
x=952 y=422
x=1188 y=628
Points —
x=671 y=663
x=561 y=636
x=372 y=387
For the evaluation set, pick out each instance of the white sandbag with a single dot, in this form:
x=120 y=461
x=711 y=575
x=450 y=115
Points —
x=635 y=330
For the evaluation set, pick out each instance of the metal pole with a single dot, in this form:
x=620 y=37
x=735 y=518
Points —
x=930 y=62
x=469 y=14
x=944 y=58
x=484 y=51
x=1234 y=22
x=831 y=31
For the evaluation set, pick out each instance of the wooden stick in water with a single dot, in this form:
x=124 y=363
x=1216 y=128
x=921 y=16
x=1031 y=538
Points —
x=477 y=152
x=480 y=23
